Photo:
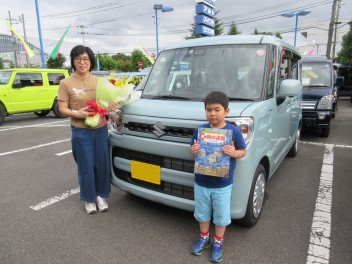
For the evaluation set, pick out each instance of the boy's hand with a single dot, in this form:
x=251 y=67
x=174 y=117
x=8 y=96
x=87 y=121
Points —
x=195 y=147
x=229 y=150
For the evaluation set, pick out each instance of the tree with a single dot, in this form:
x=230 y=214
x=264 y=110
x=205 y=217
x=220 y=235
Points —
x=1 y=64
x=138 y=56
x=107 y=62
x=345 y=54
x=256 y=32
x=218 y=29
x=233 y=29
x=57 y=63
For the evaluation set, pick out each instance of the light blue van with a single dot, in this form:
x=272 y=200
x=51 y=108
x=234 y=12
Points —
x=151 y=155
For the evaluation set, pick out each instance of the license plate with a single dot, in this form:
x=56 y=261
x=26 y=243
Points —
x=145 y=172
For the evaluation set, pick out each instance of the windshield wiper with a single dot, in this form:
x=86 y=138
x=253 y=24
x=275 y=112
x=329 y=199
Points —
x=170 y=97
x=240 y=99
x=316 y=85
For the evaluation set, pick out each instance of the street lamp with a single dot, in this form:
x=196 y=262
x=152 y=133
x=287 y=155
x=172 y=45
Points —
x=291 y=14
x=163 y=9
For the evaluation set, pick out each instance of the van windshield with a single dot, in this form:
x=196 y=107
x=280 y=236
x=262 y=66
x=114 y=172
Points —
x=316 y=75
x=191 y=73
x=5 y=77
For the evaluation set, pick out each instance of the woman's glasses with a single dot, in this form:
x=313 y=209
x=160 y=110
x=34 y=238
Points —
x=79 y=59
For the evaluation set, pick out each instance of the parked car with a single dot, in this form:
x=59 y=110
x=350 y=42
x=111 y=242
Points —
x=346 y=88
x=320 y=100
x=152 y=158
x=100 y=73
x=30 y=90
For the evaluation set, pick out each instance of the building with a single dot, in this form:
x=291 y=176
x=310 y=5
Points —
x=9 y=46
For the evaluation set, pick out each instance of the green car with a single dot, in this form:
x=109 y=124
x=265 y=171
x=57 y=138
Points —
x=30 y=90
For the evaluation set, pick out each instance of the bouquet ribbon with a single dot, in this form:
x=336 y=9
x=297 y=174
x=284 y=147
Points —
x=97 y=110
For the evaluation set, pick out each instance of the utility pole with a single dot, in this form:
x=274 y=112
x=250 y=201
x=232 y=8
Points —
x=21 y=19
x=82 y=27
x=331 y=29
x=335 y=31
x=14 y=41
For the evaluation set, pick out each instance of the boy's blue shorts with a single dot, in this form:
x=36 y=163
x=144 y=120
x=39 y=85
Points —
x=216 y=201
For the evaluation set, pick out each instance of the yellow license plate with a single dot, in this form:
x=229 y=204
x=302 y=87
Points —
x=145 y=172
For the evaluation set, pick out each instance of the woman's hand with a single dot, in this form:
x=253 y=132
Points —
x=83 y=112
x=112 y=106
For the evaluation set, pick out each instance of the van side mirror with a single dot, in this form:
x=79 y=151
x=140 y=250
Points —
x=340 y=81
x=290 y=87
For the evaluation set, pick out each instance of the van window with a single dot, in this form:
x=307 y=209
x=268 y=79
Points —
x=316 y=74
x=272 y=72
x=191 y=73
x=55 y=78
x=28 y=79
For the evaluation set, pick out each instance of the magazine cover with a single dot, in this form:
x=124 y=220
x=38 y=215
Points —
x=210 y=160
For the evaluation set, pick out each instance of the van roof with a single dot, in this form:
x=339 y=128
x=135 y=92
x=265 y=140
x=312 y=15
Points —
x=314 y=59
x=34 y=70
x=233 y=39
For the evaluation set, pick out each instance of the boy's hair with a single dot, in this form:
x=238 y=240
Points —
x=217 y=98
x=79 y=50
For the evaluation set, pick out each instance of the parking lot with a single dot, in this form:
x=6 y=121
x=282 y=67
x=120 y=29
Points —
x=306 y=215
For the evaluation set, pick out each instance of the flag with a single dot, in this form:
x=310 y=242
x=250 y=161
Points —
x=145 y=53
x=29 y=51
x=98 y=63
x=311 y=51
x=55 y=51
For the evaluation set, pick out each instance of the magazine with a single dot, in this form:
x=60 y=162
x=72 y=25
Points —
x=210 y=160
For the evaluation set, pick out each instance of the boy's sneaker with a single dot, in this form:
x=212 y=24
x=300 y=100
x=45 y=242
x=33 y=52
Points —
x=216 y=254
x=102 y=205
x=91 y=208
x=198 y=248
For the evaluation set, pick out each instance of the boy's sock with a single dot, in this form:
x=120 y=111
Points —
x=218 y=239
x=204 y=235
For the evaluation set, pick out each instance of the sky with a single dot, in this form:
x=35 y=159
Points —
x=109 y=26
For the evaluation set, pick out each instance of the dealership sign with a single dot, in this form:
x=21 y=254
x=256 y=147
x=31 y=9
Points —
x=205 y=23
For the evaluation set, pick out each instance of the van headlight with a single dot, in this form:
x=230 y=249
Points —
x=117 y=121
x=245 y=124
x=325 y=103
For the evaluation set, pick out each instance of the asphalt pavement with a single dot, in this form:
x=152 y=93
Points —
x=308 y=201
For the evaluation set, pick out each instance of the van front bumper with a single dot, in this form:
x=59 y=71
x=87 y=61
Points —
x=316 y=119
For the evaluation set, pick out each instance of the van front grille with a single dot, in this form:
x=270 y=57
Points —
x=169 y=131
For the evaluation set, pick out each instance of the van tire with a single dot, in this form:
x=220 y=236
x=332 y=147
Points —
x=56 y=110
x=2 y=114
x=325 y=131
x=294 y=149
x=42 y=113
x=256 y=198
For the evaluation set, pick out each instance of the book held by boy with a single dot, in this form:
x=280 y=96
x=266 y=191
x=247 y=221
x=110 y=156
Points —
x=210 y=159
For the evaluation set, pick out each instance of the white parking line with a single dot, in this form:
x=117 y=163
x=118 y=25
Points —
x=63 y=153
x=319 y=245
x=34 y=147
x=36 y=125
x=55 y=199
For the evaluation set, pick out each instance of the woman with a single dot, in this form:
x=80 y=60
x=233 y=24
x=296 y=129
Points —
x=89 y=145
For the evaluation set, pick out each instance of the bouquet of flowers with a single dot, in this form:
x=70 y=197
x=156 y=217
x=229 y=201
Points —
x=118 y=90
x=96 y=116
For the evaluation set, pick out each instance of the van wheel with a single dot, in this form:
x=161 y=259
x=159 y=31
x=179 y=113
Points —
x=56 y=110
x=256 y=198
x=2 y=114
x=42 y=113
x=294 y=149
x=325 y=131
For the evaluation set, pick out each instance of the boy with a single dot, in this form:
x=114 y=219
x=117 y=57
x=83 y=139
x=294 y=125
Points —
x=213 y=194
